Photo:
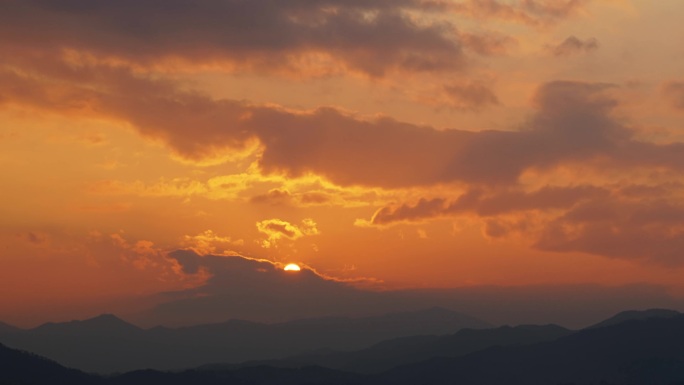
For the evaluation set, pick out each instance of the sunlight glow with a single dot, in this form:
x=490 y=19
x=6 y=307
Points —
x=292 y=267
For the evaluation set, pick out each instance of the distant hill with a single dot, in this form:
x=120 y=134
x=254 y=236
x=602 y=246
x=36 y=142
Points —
x=103 y=323
x=6 y=328
x=636 y=315
x=107 y=344
x=649 y=351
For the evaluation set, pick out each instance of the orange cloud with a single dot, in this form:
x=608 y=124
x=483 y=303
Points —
x=277 y=229
x=208 y=242
x=532 y=12
x=574 y=123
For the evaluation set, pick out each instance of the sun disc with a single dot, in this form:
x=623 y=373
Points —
x=292 y=267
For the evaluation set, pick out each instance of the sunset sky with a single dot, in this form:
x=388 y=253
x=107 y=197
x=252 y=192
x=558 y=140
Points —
x=380 y=144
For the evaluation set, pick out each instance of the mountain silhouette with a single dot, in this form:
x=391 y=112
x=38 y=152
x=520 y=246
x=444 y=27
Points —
x=18 y=367
x=636 y=315
x=104 y=323
x=106 y=344
x=634 y=352
x=7 y=328
x=388 y=354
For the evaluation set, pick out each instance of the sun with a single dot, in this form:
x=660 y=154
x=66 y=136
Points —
x=292 y=267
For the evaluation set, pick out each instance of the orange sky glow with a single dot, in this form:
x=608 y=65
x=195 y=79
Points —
x=383 y=145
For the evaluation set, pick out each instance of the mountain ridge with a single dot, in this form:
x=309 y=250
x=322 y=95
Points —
x=391 y=353
x=129 y=347
x=634 y=352
x=7 y=328
x=629 y=315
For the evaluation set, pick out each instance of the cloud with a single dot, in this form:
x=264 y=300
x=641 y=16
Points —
x=244 y=288
x=487 y=204
x=573 y=124
x=367 y=36
x=240 y=287
x=277 y=229
x=472 y=96
x=208 y=241
x=572 y=45
x=487 y=44
x=34 y=238
x=317 y=194
x=674 y=92
x=645 y=230
x=279 y=196
x=274 y=196
x=631 y=221
x=531 y=12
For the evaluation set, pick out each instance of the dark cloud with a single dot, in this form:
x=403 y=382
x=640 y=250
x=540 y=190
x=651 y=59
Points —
x=488 y=43
x=302 y=199
x=649 y=191
x=246 y=288
x=274 y=196
x=368 y=36
x=637 y=222
x=674 y=91
x=572 y=45
x=472 y=96
x=489 y=204
x=646 y=230
x=242 y=288
x=573 y=123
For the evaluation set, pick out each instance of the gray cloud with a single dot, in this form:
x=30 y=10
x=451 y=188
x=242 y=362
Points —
x=488 y=43
x=246 y=288
x=471 y=96
x=368 y=36
x=674 y=92
x=646 y=230
x=637 y=222
x=573 y=123
x=242 y=288
x=573 y=45
x=488 y=204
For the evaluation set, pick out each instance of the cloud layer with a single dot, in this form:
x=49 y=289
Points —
x=368 y=36
x=242 y=288
x=573 y=123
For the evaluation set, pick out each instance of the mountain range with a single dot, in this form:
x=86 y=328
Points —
x=395 y=352
x=644 y=348
x=107 y=344
x=6 y=328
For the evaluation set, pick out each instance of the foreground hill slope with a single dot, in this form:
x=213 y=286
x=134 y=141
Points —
x=18 y=367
